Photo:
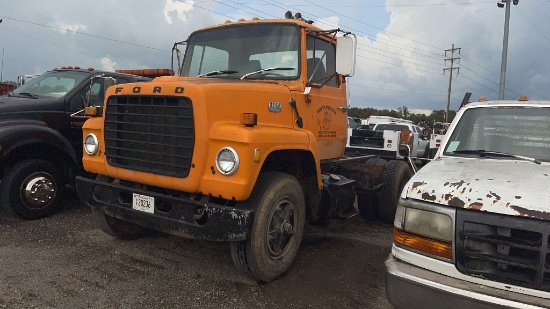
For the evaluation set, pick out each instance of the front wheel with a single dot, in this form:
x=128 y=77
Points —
x=33 y=189
x=277 y=230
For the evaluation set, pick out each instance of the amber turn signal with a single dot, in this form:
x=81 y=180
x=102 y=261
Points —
x=249 y=119
x=423 y=244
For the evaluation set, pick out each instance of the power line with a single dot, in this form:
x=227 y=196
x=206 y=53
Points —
x=82 y=33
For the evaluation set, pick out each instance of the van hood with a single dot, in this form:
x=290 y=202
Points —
x=511 y=187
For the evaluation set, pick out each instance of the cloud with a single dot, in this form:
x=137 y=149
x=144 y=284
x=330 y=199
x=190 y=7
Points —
x=64 y=28
x=328 y=23
x=179 y=8
x=108 y=64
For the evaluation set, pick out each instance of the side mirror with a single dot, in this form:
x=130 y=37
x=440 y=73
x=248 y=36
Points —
x=405 y=143
x=94 y=101
x=345 y=55
x=108 y=82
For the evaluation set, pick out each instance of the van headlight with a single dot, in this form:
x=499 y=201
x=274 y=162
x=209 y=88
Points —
x=426 y=229
x=227 y=161
x=91 y=144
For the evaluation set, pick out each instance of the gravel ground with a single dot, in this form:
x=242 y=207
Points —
x=64 y=261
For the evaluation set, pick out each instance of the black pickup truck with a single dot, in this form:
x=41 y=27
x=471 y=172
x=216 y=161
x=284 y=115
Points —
x=41 y=137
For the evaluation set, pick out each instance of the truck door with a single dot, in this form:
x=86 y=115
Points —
x=327 y=105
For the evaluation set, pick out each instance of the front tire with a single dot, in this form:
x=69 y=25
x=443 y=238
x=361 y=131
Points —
x=33 y=189
x=277 y=230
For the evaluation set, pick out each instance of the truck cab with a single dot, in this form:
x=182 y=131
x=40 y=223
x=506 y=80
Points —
x=472 y=227
x=41 y=137
x=245 y=145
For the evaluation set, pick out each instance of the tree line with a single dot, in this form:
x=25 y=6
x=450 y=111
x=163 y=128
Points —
x=402 y=112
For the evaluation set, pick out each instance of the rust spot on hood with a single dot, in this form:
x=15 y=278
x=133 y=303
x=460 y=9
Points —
x=531 y=213
x=475 y=206
x=417 y=184
x=455 y=201
x=457 y=184
x=428 y=197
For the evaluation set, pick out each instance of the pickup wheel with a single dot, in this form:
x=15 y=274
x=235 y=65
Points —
x=277 y=230
x=396 y=175
x=368 y=202
x=116 y=227
x=33 y=189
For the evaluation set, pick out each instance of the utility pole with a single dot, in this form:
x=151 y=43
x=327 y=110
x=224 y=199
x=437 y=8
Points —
x=2 y=69
x=450 y=69
x=504 y=46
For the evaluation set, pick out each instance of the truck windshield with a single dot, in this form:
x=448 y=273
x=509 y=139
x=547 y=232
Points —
x=234 y=51
x=495 y=132
x=51 y=84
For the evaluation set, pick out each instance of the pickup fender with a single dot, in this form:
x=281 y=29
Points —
x=17 y=136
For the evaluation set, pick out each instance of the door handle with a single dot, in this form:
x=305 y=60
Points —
x=343 y=108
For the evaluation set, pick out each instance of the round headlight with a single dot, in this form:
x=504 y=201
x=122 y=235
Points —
x=227 y=161
x=91 y=144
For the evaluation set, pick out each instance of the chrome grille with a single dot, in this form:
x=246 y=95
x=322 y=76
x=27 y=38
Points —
x=152 y=134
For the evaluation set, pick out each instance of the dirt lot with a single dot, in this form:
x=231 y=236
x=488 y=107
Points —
x=66 y=262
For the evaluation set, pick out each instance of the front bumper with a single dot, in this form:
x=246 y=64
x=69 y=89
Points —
x=408 y=286
x=183 y=217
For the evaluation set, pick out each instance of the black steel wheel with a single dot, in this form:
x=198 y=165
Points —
x=32 y=189
x=277 y=230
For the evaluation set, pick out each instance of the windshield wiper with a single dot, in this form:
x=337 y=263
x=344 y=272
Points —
x=214 y=73
x=486 y=153
x=28 y=94
x=264 y=70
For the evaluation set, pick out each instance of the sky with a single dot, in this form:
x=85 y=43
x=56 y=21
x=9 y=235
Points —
x=401 y=51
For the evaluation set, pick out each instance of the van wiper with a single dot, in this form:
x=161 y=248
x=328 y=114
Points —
x=28 y=94
x=488 y=153
x=265 y=70
x=214 y=73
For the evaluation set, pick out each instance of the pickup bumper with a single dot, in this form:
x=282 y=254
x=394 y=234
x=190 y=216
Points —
x=183 y=217
x=408 y=286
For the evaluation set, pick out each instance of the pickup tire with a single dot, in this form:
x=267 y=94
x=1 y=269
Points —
x=32 y=189
x=116 y=227
x=368 y=202
x=278 y=227
x=396 y=175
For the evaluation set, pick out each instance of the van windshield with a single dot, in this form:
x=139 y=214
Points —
x=51 y=84
x=232 y=52
x=519 y=131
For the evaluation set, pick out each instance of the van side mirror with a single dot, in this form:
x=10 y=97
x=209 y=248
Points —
x=345 y=55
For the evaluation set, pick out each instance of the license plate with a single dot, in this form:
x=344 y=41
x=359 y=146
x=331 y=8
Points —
x=143 y=203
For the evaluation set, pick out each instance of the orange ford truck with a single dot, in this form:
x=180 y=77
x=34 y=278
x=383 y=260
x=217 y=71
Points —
x=246 y=145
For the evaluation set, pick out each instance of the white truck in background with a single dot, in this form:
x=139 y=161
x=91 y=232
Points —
x=373 y=120
x=384 y=140
x=22 y=79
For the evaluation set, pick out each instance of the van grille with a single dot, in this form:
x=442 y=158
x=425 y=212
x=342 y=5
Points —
x=151 y=134
x=512 y=250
